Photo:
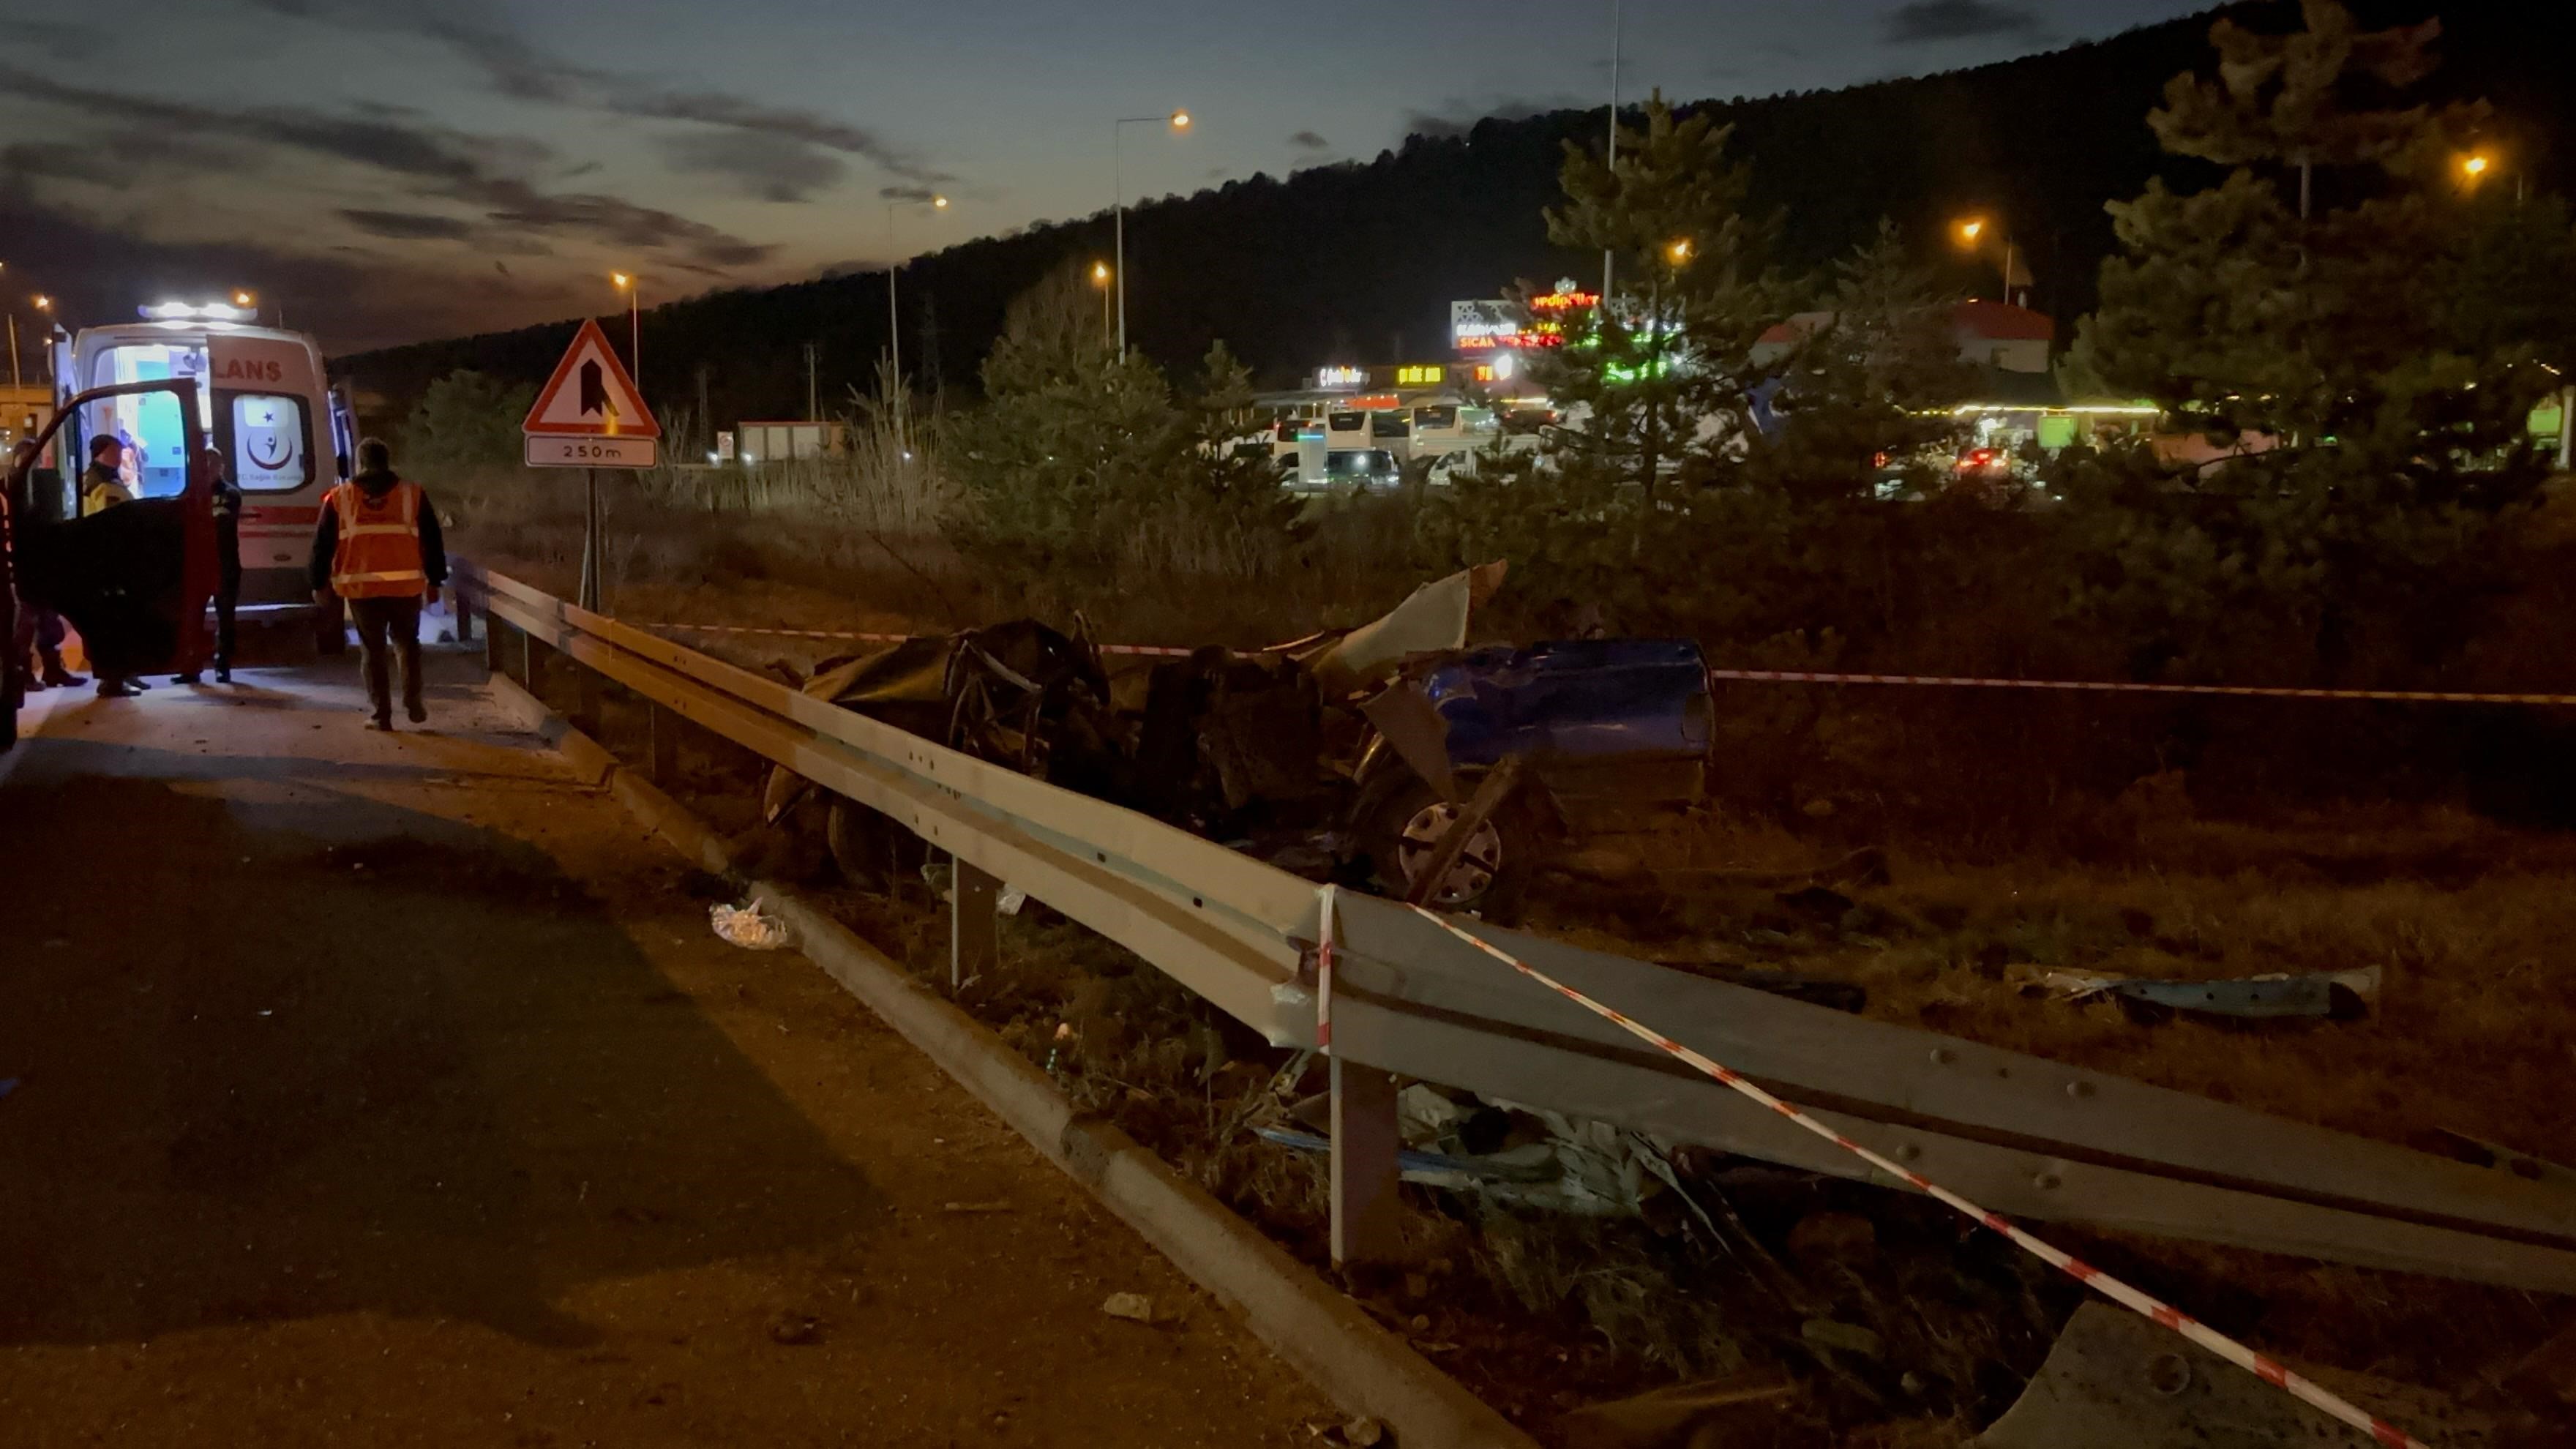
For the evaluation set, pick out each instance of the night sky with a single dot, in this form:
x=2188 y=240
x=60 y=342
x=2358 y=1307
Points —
x=388 y=170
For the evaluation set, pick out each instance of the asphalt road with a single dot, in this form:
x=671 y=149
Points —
x=392 y=1090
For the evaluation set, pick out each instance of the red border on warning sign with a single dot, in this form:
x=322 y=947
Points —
x=637 y=424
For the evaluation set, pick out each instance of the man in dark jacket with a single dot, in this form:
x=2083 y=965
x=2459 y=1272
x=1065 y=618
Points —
x=378 y=546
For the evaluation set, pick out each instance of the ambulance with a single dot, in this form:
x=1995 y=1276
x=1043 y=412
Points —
x=263 y=402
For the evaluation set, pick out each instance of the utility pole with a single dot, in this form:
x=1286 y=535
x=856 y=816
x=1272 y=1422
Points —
x=1615 y=36
x=813 y=408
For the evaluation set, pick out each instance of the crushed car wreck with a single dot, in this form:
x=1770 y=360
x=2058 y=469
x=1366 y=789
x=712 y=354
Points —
x=1390 y=756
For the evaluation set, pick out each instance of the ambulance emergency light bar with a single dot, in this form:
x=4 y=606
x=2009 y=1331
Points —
x=203 y=311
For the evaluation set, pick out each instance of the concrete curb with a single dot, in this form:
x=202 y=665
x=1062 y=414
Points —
x=1317 y=1329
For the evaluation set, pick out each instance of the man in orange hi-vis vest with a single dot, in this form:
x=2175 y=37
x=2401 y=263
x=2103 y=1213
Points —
x=378 y=546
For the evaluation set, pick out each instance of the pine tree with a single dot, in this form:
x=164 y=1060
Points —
x=1661 y=368
x=1870 y=388
x=2378 y=385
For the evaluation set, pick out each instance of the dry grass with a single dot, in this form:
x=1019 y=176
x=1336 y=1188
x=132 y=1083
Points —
x=2470 y=925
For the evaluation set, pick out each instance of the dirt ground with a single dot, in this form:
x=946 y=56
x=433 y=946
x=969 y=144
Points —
x=393 y=1090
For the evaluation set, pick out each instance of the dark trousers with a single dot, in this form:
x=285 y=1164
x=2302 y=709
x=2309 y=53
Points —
x=389 y=624
x=228 y=576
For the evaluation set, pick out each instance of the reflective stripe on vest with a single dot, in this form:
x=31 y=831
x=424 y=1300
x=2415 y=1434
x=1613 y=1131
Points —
x=378 y=552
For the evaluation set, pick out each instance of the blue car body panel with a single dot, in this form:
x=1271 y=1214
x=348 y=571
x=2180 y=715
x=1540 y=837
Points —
x=1577 y=702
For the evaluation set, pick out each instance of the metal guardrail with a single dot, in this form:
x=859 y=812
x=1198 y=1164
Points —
x=2030 y=1137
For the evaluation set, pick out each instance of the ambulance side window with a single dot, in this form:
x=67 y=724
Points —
x=266 y=439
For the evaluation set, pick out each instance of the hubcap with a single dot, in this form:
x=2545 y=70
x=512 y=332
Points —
x=1471 y=874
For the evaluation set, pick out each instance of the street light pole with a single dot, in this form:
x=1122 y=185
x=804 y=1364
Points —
x=894 y=315
x=633 y=287
x=1178 y=121
x=1615 y=37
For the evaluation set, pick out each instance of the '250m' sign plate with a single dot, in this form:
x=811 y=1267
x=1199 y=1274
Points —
x=573 y=452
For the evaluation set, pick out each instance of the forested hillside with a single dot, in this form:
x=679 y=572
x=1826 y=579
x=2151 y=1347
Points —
x=1358 y=262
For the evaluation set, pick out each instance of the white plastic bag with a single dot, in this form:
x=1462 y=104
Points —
x=749 y=927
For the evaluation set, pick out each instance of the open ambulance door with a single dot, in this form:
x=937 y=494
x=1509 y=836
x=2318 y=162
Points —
x=133 y=579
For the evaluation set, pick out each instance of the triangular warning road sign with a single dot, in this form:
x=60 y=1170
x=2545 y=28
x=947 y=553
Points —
x=590 y=395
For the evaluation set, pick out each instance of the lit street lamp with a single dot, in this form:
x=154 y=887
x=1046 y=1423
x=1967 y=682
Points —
x=2474 y=168
x=894 y=264
x=1975 y=227
x=1100 y=279
x=1178 y=121
x=634 y=290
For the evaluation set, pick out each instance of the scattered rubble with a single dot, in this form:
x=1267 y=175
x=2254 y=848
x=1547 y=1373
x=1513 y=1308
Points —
x=750 y=927
x=2343 y=995
x=1134 y=1307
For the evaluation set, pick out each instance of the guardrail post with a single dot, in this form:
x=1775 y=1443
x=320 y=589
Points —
x=532 y=664
x=662 y=744
x=1365 y=1172
x=585 y=699
x=974 y=938
x=492 y=661
x=462 y=612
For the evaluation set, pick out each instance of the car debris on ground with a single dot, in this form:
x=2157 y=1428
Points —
x=2342 y=995
x=2115 y=1378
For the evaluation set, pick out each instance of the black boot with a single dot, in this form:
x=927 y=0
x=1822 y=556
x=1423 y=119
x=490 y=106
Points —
x=57 y=677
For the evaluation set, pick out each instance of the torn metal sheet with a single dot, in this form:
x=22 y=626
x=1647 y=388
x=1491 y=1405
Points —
x=2116 y=1379
x=1434 y=617
x=2344 y=994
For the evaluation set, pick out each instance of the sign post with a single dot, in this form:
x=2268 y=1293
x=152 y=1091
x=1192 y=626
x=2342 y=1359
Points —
x=590 y=416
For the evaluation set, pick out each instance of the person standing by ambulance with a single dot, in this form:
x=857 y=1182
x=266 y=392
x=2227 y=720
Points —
x=228 y=569
x=102 y=487
x=378 y=546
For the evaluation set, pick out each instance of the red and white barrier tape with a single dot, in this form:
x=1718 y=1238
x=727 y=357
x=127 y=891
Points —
x=1793 y=676
x=2249 y=691
x=1324 y=973
x=2261 y=1366
x=1160 y=651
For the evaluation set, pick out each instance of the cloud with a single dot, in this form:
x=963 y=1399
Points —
x=1924 y=21
x=354 y=297
x=407 y=225
x=757 y=166
x=437 y=163
x=921 y=194
x=517 y=67
x=61 y=41
x=1309 y=141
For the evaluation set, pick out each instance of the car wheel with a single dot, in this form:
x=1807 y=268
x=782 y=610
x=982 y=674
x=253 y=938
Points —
x=871 y=851
x=1402 y=821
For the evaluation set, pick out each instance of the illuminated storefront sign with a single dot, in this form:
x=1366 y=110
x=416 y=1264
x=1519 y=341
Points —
x=1339 y=377
x=1491 y=326
x=1421 y=374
